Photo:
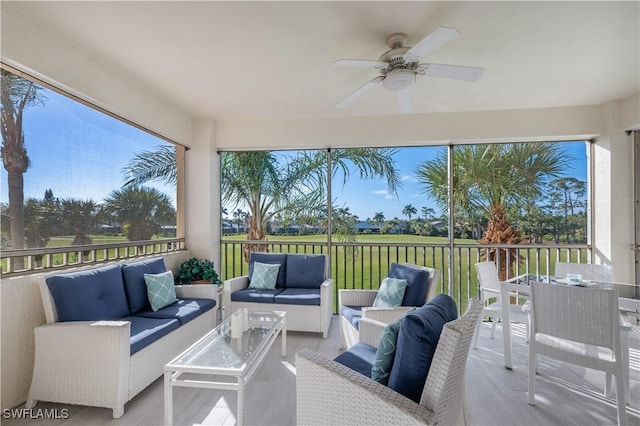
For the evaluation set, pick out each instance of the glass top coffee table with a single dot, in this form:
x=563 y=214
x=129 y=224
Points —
x=220 y=354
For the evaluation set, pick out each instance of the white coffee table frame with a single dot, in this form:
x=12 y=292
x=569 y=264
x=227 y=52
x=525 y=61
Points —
x=266 y=324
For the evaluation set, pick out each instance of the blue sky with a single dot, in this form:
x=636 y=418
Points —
x=365 y=198
x=79 y=153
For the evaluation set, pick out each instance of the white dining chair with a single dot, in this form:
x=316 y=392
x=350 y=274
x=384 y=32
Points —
x=580 y=326
x=629 y=334
x=489 y=283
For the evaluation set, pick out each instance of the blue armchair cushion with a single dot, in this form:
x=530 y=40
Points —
x=386 y=352
x=359 y=358
x=417 y=281
x=390 y=293
x=353 y=314
x=299 y=296
x=145 y=331
x=134 y=285
x=160 y=289
x=184 y=310
x=305 y=271
x=270 y=258
x=95 y=294
x=417 y=341
x=254 y=295
x=264 y=276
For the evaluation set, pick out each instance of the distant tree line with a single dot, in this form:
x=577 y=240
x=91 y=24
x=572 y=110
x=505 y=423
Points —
x=136 y=211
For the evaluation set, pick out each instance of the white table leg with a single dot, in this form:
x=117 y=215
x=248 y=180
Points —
x=240 y=419
x=168 y=399
x=506 y=325
x=284 y=339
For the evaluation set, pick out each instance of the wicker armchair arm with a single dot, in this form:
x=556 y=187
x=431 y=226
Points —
x=357 y=297
x=385 y=315
x=330 y=393
x=371 y=331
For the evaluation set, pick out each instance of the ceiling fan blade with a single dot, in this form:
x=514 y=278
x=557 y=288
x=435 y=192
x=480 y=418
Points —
x=405 y=101
x=360 y=91
x=457 y=72
x=433 y=41
x=359 y=63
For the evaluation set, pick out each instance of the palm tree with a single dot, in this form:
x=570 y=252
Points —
x=159 y=165
x=378 y=218
x=142 y=210
x=269 y=185
x=258 y=181
x=16 y=94
x=489 y=178
x=79 y=217
x=409 y=211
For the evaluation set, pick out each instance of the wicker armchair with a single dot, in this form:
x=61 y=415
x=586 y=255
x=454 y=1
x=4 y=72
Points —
x=330 y=393
x=363 y=299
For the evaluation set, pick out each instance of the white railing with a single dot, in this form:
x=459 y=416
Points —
x=27 y=261
x=364 y=265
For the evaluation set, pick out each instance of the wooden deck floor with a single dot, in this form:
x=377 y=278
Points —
x=566 y=395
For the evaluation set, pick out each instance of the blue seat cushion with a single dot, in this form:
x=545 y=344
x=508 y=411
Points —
x=299 y=296
x=184 y=310
x=270 y=258
x=417 y=282
x=417 y=341
x=353 y=314
x=255 y=295
x=145 y=331
x=359 y=357
x=136 y=289
x=91 y=295
x=305 y=271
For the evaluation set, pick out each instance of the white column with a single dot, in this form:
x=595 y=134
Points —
x=203 y=192
x=613 y=198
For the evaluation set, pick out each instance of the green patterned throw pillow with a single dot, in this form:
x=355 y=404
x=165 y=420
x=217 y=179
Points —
x=264 y=276
x=391 y=293
x=386 y=352
x=160 y=290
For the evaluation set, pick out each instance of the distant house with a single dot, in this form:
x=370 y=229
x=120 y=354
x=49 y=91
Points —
x=439 y=225
x=364 y=227
x=232 y=228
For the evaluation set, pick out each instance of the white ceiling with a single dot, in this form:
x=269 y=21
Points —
x=265 y=60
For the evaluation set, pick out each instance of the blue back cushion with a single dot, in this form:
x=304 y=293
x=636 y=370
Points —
x=417 y=341
x=270 y=258
x=416 y=291
x=305 y=271
x=96 y=294
x=136 y=289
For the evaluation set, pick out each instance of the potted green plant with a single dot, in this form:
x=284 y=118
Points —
x=194 y=271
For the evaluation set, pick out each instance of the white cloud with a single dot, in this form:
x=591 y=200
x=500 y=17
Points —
x=383 y=192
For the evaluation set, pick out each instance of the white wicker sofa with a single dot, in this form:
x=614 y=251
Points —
x=102 y=343
x=302 y=290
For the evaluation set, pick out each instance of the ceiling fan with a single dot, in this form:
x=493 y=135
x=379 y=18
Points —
x=400 y=65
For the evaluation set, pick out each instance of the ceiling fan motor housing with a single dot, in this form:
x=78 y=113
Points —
x=399 y=79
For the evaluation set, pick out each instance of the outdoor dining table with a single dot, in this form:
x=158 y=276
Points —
x=520 y=284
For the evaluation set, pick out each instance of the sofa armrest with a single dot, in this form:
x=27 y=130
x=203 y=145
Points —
x=385 y=315
x=357 y=297
x=234 y=284
x=84 y=361
x=326 y=306
x=330 y=393
x=199 y=291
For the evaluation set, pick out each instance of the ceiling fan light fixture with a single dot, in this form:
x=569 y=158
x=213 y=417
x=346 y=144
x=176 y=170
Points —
x=399 y=79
